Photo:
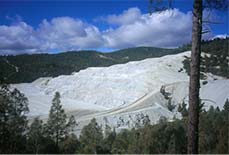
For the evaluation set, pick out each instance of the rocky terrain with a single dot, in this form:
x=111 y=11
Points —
x=124 y=95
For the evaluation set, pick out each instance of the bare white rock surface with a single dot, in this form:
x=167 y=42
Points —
x=121 y=94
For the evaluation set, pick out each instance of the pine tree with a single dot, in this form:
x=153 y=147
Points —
x=121 y=143
x=13 y=120
x=134 y=143
x=107 y=130
x=146 y=120
x=108 y=140
x=222 y=145
x=194 y=83
x=69 y=145
x=182 y=109
x=35 y=136
x=71 y=124
x=170 y=105
x=226 y=105
x=57 y=126
x=91 y=137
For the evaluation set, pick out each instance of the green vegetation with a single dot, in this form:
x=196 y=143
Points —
x=140 y=53
x=13 y=120
x=16 y=136
x=91 y=138
x=57 y=126
x=164 y=137
x=214 y=59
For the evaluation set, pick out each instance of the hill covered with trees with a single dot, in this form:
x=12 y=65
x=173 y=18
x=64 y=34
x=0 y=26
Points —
x=214 y=57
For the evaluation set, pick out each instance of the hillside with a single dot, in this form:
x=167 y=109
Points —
x=122 y=95
x=140 y=53
x=27 y=68
x=214 y=58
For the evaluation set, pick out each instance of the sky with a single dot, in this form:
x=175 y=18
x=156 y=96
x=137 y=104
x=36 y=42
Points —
x=29 y=26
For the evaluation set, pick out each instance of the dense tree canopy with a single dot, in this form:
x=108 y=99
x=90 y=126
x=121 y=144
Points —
x=13 y=120
x=91 y=138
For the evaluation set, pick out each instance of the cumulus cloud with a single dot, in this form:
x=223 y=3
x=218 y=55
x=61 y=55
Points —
x=127 y=17
x=170 y=28
x=220 y=36
x=61 y=33
x=66 y=33
x=20 y=37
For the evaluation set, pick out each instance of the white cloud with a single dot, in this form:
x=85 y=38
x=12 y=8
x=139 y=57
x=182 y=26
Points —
x=127 y=17
x=66 y=33
x=166 y=29
x=62 y=33
x=170 y=28
x=18 y=37
x=220 y=36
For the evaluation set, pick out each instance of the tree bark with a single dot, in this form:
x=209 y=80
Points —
x=194 y=83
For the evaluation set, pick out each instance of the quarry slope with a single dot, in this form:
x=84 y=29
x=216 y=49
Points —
x=123 y=95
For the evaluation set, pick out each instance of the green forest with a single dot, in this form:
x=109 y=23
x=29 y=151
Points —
x=214 y=58
x=56 y=135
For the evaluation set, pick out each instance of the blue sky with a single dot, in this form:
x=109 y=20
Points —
x=54 y=26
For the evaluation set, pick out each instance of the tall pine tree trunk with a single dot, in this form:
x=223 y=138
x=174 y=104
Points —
x=194 y=84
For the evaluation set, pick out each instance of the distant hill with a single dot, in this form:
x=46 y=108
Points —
x=27 y=68
x=140 y=53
